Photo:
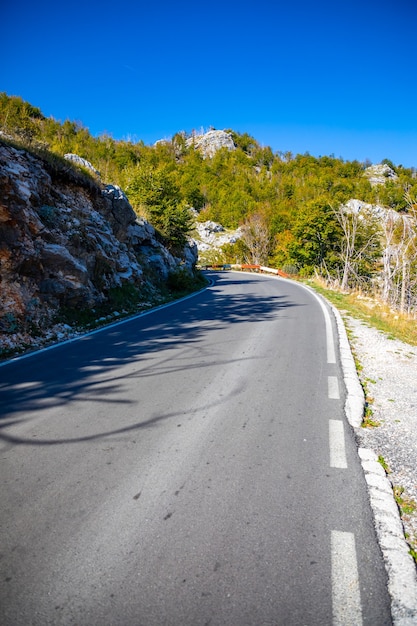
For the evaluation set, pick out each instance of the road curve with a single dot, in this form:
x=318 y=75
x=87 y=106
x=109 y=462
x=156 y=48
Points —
x=189 y=467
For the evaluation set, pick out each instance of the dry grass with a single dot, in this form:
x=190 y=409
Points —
x=375 y=313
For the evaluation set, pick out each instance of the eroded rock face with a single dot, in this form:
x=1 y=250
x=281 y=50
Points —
x=66 y=245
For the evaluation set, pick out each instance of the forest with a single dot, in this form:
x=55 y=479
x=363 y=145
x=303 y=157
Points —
x=293 y=209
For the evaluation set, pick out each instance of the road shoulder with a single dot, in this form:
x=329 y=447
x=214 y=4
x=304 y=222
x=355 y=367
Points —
x=390 y=368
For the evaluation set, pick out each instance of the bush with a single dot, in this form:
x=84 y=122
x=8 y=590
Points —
x=180 y=280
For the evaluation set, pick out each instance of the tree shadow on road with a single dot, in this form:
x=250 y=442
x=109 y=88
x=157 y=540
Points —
x=91 y=368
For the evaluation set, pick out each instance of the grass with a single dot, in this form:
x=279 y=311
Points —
x=384 y=464
x=374 y=313
x=368 y=421
x=406 y=505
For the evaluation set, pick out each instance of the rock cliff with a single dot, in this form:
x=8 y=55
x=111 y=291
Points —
x=65 y=242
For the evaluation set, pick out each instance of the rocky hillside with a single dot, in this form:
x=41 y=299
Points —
x=67 y=242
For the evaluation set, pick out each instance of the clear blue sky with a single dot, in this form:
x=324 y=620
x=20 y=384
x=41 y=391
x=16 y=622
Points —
x=325 y=77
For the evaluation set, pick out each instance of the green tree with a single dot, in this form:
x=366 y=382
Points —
x=317 y=236
x=154 y=192
x=19 y=118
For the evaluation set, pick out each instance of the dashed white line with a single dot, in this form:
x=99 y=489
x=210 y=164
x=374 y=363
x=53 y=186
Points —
x=346 y=597
x=333 y=388
x=337 y=444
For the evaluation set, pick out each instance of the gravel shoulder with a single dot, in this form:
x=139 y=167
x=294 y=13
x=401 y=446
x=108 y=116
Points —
x=388 y=373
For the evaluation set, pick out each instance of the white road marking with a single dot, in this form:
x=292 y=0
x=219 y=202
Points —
x=333 y=388
x=346 y=597
x=331 y=354
x=337 y=444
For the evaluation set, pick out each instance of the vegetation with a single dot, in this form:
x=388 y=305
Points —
x=384 y=464
x=129 y=300
x=289 y=206
x=372 y=312
x=406 y=505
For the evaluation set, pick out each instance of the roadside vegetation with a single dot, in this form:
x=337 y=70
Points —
x=129 y=300
x=372 y=311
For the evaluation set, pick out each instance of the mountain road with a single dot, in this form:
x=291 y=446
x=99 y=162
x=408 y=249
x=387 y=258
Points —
x=190 y=466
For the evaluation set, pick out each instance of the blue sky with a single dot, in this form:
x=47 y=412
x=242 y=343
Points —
x=320 y=77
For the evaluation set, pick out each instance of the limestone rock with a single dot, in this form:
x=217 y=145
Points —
x=377 y=211
x=212 y=236
x=206 y=229
x=380 y=174
x=82 y=163
x=212 y=141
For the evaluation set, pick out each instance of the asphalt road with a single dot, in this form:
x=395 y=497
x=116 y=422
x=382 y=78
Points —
x=190 y=467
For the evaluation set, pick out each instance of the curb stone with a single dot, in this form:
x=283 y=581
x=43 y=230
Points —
x=399 y=564
x=355 y=398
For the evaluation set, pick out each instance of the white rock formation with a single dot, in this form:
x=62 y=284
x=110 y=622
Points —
x=380 y=174
x=212 y=235
x=374 y=210
x=81 y=162
x=211 y=142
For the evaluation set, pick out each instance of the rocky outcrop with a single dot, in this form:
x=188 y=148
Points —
x=67 y=244
x=212 y=141
x=212 y=235
x=380 y=174
x=375 y=211
x=82 y=163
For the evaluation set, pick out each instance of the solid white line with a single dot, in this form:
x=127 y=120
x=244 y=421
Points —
x=333 y=388
x=331 y=354
x=346 y=597
x=337 y=444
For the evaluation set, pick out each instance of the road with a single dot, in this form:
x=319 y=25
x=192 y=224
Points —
x=192 y=466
